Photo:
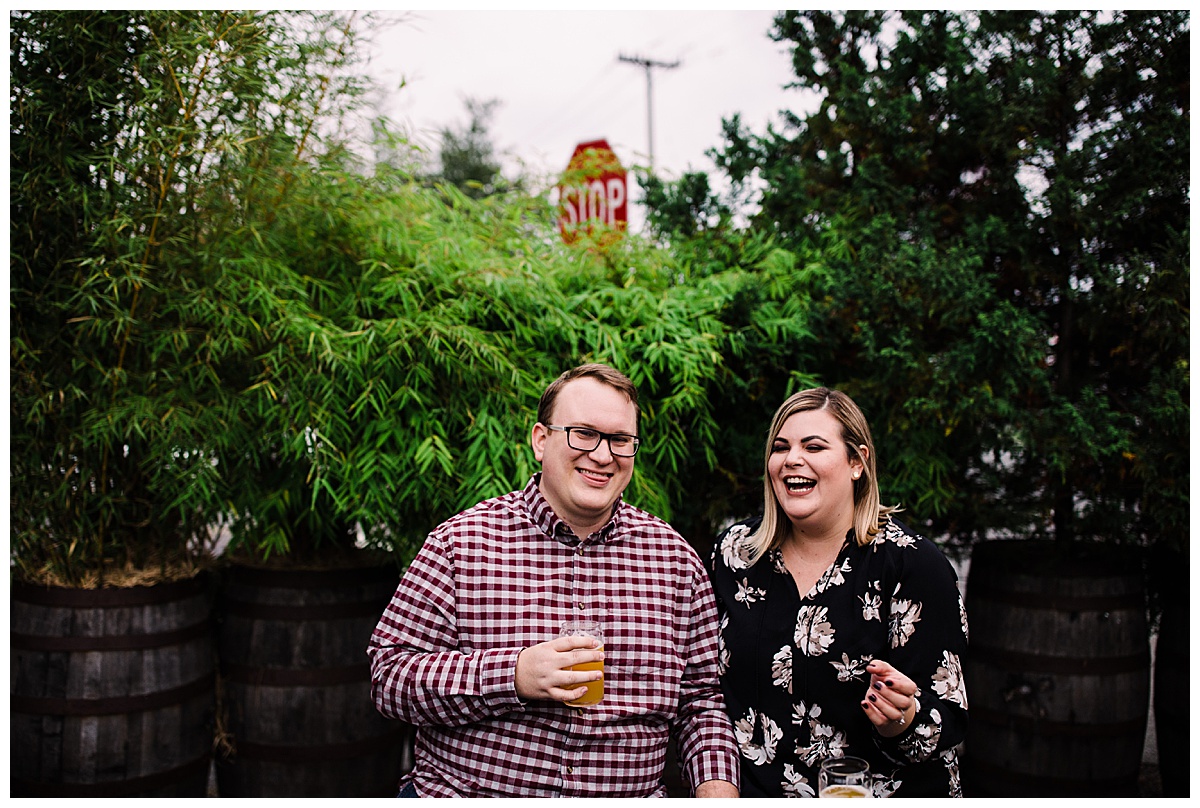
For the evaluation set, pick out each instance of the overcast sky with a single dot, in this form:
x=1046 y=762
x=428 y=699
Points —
x=560 y=81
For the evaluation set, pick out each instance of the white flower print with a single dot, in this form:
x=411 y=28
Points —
x=777 y=563
x=894 y=534
x=748 y=594
x=834 y=577
x=848 y=670
x=922 y=742
x=781 y=668
x=823 y=740
x=735 y=551
x=950 y=759
x=795 y=784
x=872 y=602
x=948 y=680
x=814 y=634
x=883 y=786
x=743 y=730
x=962 y=616
x=905 y=614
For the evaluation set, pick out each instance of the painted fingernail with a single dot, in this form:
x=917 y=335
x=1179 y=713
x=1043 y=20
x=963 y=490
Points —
x=877 y=686
x=865 y=705
x=871 y=697
x=888 y=683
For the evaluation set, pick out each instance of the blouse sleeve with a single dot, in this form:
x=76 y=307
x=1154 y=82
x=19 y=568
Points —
x=928 y=638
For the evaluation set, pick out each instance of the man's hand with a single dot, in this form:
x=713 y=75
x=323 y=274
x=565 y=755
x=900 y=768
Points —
x=716 y=788
x=540 y=668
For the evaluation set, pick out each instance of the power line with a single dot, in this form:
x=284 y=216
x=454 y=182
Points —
x=649 y=65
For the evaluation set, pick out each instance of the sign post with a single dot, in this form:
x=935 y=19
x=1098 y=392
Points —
x=593 y=195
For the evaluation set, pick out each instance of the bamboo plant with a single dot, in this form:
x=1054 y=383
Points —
x=146 y=146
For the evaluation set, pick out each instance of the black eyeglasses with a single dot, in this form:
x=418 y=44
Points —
x=583 y=439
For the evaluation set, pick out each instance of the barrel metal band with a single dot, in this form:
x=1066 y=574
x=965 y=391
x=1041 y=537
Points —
x=318 y=754
x=1018 y=662
x=109 y=596
x=116 y=705
x=119 y=788
x=313 y=579
x=1036 y=784
x=320 y=611
x=1029 y=726
x=296 y=677
x=987 y=590
x=111 y=642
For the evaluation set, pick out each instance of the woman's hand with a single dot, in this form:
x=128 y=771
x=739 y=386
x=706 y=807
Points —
x=891 y=700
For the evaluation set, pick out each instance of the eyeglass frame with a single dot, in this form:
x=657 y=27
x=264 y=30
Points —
x=603 y=436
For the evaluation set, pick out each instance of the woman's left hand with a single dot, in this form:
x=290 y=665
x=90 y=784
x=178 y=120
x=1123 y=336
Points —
x=891 y=699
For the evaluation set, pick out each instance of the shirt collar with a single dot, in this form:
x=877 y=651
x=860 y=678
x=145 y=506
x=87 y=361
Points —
x=549 y=522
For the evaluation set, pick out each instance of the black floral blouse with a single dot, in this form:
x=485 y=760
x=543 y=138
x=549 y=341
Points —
x=793 y=668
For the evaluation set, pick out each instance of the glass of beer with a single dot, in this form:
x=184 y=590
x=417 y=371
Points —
x=586 y=628
x=844 y=777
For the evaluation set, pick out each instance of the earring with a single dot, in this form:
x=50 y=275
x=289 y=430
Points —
x=857 y=474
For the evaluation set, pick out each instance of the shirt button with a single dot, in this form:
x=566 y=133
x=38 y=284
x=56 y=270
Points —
x=570 y=770
x=581 y=607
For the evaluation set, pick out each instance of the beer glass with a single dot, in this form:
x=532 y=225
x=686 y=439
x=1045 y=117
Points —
x=586 y=628
x=844 y=777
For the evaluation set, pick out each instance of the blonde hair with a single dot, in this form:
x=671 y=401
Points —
x=869 y=515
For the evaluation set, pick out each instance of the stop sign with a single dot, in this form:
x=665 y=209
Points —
x=592 y=195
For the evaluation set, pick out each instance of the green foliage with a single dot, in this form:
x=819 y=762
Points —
x=218 y=316
x=467 y=154
x=143 y=145
x=404 y=387
x=1001 y=199
x=233 y=324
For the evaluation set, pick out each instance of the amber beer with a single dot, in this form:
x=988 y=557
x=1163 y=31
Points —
x=595 y=690
x=845 y=791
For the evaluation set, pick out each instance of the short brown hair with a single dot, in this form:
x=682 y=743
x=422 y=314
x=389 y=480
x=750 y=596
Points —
x=603 y=373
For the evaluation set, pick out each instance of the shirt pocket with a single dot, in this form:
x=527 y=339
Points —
x=642 y=688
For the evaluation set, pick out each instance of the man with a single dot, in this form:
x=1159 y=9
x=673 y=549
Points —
x=468 y=649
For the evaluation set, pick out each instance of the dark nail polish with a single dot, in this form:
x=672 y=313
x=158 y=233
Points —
x=865 y=705
x=877 y=686
x=888 y=683
x=871 y=697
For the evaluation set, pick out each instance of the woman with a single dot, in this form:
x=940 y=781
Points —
x=842 y=633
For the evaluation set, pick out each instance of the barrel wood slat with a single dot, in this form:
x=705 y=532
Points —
x=297 y=707
x=1058 y=673
x=112 y=690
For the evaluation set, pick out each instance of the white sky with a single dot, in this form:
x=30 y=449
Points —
x=559 y=81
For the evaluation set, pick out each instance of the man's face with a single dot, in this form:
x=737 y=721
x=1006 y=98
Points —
x=581 y=487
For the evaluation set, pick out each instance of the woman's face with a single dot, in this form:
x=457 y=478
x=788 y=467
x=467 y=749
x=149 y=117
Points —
x=811 y=475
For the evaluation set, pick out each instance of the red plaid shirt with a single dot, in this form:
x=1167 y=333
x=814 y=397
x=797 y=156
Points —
x=501 y=577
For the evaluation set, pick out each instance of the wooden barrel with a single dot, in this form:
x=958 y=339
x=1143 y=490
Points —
x=296 y=709
x=112 y=690
x=1058 y=671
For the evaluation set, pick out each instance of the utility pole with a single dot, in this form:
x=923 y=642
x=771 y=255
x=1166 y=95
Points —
x=649 y=64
